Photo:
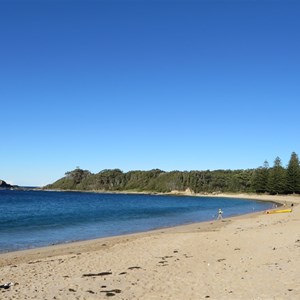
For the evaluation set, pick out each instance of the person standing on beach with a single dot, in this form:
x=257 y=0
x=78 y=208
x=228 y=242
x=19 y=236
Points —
x=220 y=214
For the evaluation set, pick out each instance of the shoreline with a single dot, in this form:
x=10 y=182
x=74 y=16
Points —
x=258 y=247
x=280 y=201
x=62 y=248
x=254 y=197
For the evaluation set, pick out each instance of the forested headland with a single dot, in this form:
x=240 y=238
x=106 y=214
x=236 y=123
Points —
x=276 y=179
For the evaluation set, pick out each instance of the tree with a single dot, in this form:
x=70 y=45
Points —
x=260 y=181
x=277 y=178
x=293 y=174
x=77 y=175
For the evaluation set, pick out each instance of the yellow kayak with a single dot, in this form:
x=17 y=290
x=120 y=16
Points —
x=279 y=211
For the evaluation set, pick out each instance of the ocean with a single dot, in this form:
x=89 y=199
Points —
x=30 y=219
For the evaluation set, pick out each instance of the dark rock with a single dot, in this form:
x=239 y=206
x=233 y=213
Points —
x=5 y=185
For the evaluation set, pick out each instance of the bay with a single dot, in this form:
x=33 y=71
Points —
x=30 y=219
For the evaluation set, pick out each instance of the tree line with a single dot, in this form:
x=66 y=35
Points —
x=265 y=179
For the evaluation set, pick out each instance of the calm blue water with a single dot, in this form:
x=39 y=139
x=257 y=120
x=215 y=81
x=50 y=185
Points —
x=30 y=219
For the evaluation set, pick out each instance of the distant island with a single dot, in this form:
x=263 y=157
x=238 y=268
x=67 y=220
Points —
x=265 y=179
x=4 y=185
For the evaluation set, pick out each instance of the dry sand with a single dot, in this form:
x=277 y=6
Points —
x=255 y=256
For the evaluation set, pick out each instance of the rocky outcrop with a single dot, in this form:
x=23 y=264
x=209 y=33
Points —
x=5 y=185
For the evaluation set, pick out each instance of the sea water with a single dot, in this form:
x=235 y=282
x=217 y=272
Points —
x=30 y=219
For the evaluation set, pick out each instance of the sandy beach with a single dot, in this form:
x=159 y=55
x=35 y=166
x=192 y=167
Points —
x=254 y=256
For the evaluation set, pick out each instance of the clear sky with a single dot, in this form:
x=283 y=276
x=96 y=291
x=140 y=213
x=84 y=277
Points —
x=175 y=85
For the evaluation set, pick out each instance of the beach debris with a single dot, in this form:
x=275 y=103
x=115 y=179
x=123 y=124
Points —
x=111 y=292
x=90 y=291
x=97 y=274
x=237 y=249
x=123 y=273
x=132 y=268
x=72 y=290
x=221 y=259
x=6 y=285
x=117 y=291
x=163 y=263
x=35 y=262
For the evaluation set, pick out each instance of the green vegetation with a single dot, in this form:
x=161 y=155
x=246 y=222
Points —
x=274 y=180
x=293 y=175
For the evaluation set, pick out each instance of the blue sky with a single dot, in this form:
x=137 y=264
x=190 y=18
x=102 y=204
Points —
x=175 y=85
